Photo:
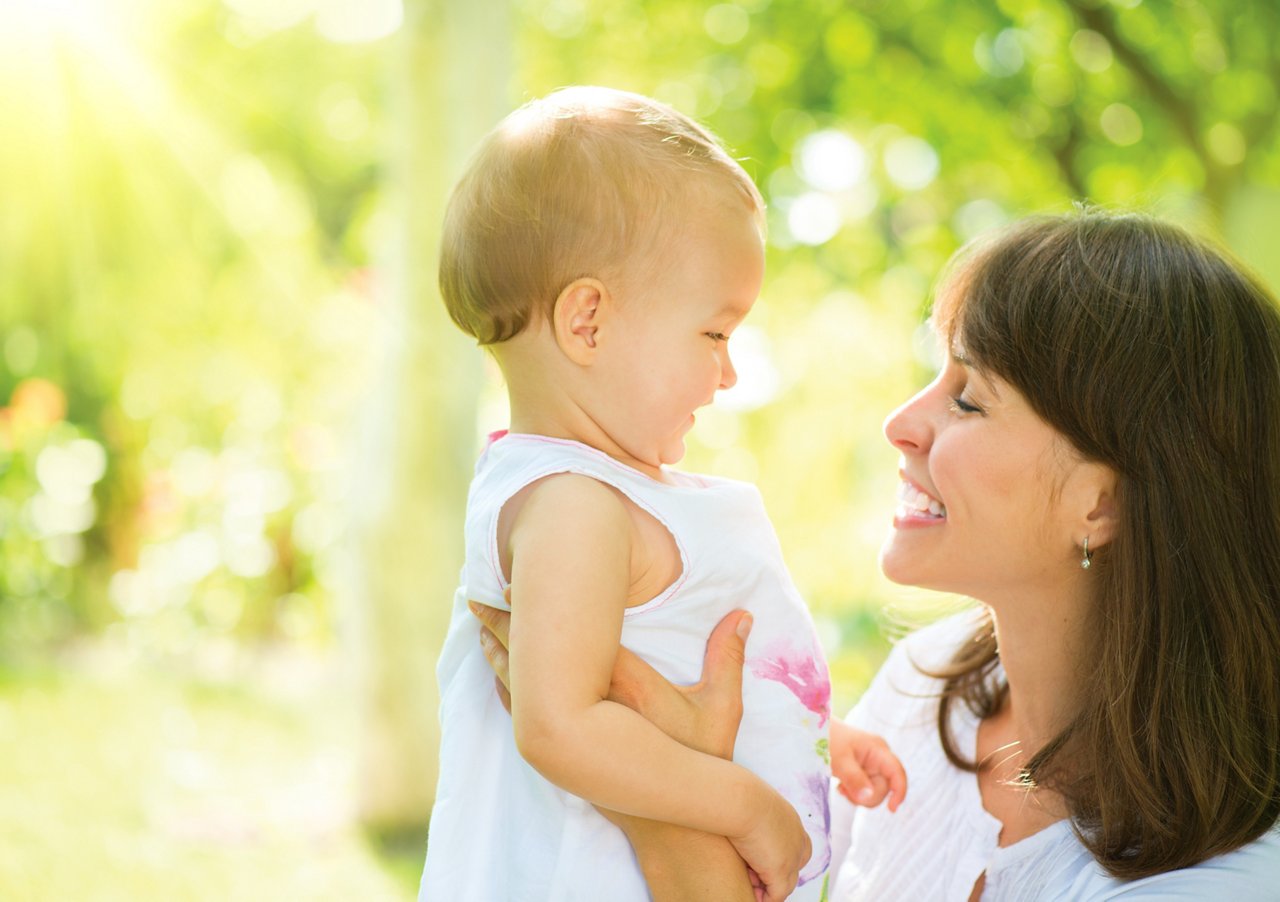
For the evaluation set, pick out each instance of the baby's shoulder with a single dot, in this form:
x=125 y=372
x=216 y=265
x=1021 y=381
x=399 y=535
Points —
x=567 y=502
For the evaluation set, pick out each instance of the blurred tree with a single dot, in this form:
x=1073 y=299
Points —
x=167 y=274
x=451 y=84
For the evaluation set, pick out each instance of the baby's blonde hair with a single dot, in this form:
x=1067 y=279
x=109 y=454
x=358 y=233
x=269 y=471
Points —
x=579 y=183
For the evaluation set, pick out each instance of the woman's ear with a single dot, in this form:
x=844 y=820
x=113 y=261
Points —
x=1102 y=515
x=579 y=311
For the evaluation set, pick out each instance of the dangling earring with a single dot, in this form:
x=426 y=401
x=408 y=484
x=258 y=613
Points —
x=1087 y=560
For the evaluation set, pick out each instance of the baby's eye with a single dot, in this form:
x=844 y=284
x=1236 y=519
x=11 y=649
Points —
x=717 y=336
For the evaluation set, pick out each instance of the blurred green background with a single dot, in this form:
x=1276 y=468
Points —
x=235 y=427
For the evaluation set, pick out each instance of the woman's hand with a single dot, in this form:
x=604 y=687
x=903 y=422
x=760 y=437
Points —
x=704 y=716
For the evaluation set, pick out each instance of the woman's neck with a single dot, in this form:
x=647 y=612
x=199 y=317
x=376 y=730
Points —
x=1042 y=649
x=1039 y=646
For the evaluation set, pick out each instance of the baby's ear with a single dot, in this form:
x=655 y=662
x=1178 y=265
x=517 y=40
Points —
x=577 y=316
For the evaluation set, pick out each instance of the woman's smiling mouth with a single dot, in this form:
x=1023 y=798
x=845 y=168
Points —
x=917 y=505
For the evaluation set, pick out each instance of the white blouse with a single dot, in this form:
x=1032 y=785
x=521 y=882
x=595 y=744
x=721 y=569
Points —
x=941 y=839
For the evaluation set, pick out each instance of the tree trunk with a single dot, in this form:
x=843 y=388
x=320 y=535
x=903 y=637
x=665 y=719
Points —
x=450 y=85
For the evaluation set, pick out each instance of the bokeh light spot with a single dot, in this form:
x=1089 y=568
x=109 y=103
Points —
x=830 y=160
x=358 y=21
x=1053 y=84
x=726 y=23
x=1090 y=50
x=978 y=216
x=1227 y=144
x=1002 y=55
x=564 y=18
x=813 y=218
x=758 y=379
x=1121 y=124
x=911 y=163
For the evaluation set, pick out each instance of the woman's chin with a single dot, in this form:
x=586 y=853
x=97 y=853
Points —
x=904 y=566
x=894 y=568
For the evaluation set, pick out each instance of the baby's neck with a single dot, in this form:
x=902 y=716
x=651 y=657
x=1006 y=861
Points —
x=541 y=403
x=582 y=429
x=548 y=397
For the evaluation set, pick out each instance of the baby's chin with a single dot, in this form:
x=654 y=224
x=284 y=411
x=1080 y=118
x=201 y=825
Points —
x=672 y=453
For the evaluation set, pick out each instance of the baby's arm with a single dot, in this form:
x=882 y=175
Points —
x=679 y=864
x=571 y=557
x=865 y=768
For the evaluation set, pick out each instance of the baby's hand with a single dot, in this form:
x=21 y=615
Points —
x=865 y=768
x=775 y=848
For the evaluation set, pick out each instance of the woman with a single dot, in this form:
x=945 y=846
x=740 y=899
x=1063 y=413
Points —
x=1097 y=464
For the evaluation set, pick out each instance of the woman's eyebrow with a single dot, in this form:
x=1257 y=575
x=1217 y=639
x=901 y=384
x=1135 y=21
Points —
x=957 y=354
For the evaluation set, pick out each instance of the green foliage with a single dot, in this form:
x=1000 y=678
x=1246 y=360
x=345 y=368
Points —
x=48 y=471
x=193 y=195
x=194 y=191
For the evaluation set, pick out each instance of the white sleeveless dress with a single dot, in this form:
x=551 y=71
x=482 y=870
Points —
x=499 y=830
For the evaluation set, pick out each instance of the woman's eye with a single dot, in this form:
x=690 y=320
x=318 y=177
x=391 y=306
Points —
x=717 y=336
x=960 y=405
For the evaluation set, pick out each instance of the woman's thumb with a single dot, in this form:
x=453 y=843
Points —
x=727 y=651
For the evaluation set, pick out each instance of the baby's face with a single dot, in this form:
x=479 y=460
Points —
x=675 y=330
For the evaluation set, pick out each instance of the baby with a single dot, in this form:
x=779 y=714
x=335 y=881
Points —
x=604 y=248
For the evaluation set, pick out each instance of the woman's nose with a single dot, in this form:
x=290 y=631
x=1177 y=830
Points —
x=908 y=428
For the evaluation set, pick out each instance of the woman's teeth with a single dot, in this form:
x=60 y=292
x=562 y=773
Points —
x=913 y=502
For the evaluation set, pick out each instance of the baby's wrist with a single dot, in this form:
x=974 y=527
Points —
x=759 y=803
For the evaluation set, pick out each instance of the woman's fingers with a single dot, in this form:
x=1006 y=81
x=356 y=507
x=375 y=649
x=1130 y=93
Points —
x=495 y=631
x=496 y=620
x=496 y=654
x=704 y=716
x=500 y=662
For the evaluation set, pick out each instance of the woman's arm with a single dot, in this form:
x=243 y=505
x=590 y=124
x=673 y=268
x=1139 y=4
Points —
x=679 y=864
x=683 y=865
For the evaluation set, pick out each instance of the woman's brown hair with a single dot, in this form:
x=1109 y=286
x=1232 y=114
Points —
x=1151 y=352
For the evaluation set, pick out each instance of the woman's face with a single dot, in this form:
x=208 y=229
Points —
x=993 y=500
